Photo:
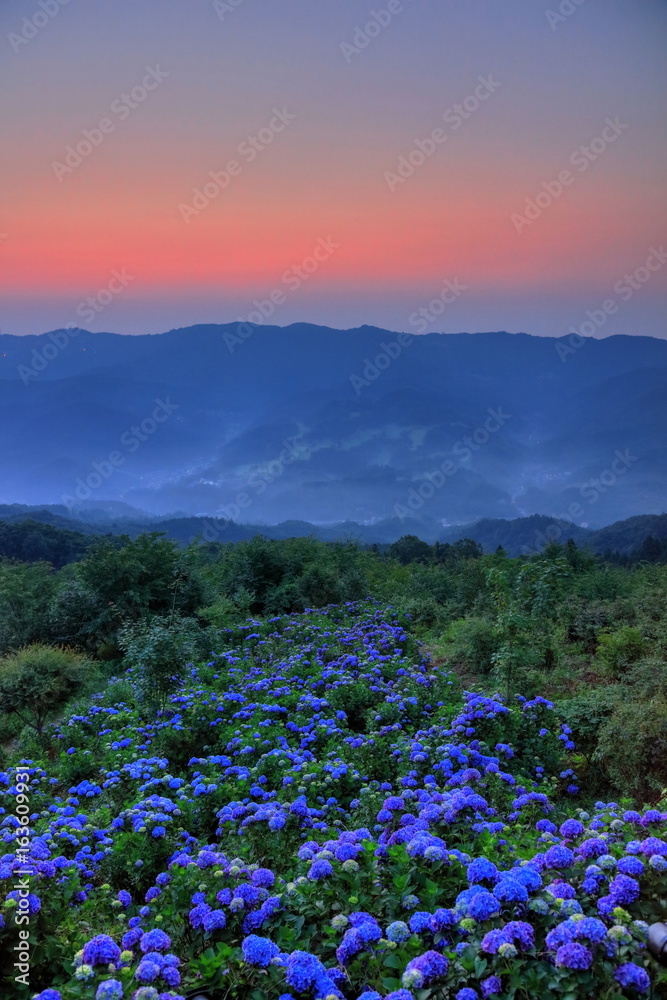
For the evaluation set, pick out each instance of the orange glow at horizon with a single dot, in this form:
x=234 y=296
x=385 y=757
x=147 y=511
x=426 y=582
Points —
x=408 y=238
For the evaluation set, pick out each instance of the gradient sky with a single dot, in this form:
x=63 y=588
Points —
x=324 y=175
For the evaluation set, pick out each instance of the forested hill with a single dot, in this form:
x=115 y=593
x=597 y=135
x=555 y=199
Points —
x=49 y=534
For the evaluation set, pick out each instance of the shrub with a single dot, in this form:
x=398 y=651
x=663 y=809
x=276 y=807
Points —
x=587 y=622
x=586 y=714
x=157 y=649
x=633 y=748
x=474 y=642
x=37 y=680
x=617 y=650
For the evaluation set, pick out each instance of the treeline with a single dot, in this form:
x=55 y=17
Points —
x=34 y=541
x=651 y=550
x=637 y=539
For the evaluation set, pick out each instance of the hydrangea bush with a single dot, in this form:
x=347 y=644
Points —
x=319 y=813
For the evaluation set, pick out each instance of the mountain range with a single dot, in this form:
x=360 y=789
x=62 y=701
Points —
x=262 y=425
x=51 y=534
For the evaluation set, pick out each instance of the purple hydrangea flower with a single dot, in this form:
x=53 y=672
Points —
x=631 y=976
x=491 y=985
x=100 y=950
x=574 y=956
x=320 y=869
x=155 y=940
x=624 y=889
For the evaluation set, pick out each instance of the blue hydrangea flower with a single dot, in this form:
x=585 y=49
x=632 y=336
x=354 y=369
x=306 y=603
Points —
x=171 y=976
x=571 y=828
x=303 y=970
x=653 y=845
x=589 y=928
x=420 y=922
x=259 y=950
x=493 y=939
x=481 y=870
x=519 y=930
x=558 y=856
x=509 y=890
x=630 y=865
x=110 y=989
x=131 y=937
x=147 y=972
x=484 y=905
x=441 y=920
x=350 y=946
x=398 y=931
x=425 y=968
x=215 y=920
x=263 y=877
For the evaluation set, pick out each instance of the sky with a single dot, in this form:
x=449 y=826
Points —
x=448 y=165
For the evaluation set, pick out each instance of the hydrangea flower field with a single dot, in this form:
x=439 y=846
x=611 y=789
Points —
x=318 y=812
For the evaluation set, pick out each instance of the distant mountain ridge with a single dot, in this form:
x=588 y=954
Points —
x=312 y=424
x=522 y=536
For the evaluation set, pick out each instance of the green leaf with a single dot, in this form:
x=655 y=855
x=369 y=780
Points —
x=480 y=966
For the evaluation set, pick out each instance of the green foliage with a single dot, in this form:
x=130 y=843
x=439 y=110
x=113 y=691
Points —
x=222 y=613
x=584 y=623
x=410 y=549
x=633 y=748
x=355 y=700
x=618 y=650
x=158 y=649
x=474 y=642
x=74 y=614
x=25 y=591
x=37 y=680
x=586 y=714
x=285 y=576
x=33 y=541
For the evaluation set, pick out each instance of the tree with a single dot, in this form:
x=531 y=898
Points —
x=651 y=550
x=37 y=680
x=158 y=650
x=512 y=627
x=134 y=578
x=409 y=549
x=25 y=592
x=33 y=541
